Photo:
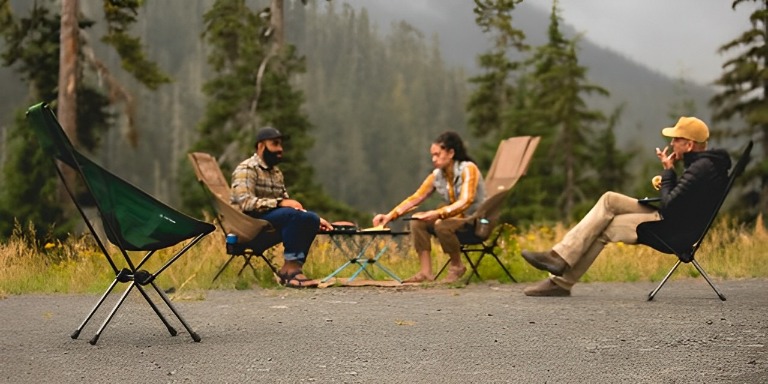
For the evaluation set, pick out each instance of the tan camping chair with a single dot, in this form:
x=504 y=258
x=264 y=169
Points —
x=254 y=236
x=509 y=165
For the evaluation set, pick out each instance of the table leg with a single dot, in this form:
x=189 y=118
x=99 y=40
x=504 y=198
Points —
x=360 y=259
x=361 y=256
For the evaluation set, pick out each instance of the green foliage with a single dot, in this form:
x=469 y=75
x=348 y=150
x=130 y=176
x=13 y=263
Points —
x=744 y=95
x=32 y=49
x=494 y=90
x=120 y=15
x=611 y=162
x=389 y=97
x=561 y=87
x=547 y=98
x=227 y=131
x=37 y=265
x=32 y=198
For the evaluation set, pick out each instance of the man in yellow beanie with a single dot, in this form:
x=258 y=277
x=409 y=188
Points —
x=615 y=217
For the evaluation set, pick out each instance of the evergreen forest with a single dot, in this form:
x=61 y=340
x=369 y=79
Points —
x=361 y=101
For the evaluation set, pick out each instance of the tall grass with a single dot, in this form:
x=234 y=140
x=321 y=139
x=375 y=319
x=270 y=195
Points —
x=731 y=251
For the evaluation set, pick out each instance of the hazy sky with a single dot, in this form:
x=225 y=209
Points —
x=674 y=37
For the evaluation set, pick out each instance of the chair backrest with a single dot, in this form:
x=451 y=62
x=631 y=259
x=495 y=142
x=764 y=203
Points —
x=132 y=219
x=685 y=241
x=230 y=218
x=490 y=209
x=737 y=170
x=510 y=163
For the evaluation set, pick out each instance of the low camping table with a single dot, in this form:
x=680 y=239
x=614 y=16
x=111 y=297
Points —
x=358 y=242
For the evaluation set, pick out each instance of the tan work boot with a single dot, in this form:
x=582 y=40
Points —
x=546 y=288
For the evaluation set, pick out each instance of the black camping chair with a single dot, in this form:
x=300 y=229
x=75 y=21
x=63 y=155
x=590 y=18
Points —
x=131 y=219
x=684 y=242
x=253 y=236
x=510 y=163
x=482 y=243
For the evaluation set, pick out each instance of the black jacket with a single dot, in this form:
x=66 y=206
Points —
x=688 y=202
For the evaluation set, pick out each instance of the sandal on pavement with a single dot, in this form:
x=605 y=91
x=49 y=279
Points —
x=296 y=280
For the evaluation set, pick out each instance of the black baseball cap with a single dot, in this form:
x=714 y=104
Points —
x=268 y=133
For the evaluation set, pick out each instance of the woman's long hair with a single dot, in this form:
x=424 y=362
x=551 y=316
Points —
x=451 y=140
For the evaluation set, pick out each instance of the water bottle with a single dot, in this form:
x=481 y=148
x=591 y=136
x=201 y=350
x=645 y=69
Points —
x=483 y=228
x=231 y=243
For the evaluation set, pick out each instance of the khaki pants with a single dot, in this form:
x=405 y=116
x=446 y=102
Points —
x=613 y=219
x=445 y=231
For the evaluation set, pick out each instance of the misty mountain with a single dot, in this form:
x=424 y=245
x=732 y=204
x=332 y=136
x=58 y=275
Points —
x=171 y=31
x=647 y=94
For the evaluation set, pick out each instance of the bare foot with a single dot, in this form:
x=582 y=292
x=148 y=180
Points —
x=454 y=274
x=419 y=278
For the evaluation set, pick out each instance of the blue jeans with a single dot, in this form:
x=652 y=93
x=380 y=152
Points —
x=297 y=228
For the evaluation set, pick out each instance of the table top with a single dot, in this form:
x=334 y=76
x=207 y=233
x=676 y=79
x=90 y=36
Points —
x=354 y=231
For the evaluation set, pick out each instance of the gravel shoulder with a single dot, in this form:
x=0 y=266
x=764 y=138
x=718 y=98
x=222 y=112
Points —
x=483 y=333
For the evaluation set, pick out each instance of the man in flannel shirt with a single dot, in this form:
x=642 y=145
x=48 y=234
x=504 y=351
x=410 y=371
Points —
x=259 y=190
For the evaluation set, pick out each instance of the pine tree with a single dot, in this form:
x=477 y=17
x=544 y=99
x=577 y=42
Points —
x=560 y=86
x=744 y=95
x=32 y=47
x=494 y=87
x=243 y=97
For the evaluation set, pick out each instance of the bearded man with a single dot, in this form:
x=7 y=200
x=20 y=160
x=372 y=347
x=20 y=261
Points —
x=259 y=190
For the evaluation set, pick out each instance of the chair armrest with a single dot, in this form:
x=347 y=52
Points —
x=649 y=201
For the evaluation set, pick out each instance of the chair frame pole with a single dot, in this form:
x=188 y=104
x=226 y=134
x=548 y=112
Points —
x=663 y=281
x=698 y=268
x=706 y=277
x=483 y=249
x=245 y=252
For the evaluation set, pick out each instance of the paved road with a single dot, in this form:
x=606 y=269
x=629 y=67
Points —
x=484 y=333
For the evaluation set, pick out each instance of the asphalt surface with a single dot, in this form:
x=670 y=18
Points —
x=483 y=333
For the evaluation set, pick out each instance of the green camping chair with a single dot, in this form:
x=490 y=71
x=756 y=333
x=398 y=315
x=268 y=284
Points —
x=131 y=219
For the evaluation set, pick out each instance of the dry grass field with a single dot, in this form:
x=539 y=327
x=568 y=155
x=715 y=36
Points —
x=730 y=251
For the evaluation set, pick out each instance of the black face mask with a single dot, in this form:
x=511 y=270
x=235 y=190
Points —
x=271 y=158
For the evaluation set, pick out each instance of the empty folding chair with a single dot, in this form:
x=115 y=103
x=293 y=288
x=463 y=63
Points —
x=685 y=241
x=252 y=236
x=131 y=219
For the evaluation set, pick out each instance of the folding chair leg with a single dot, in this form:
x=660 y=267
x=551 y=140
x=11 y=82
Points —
x=269 y=263
x=442 y=269
x=77 y=331
x=246 y=263
x=168 y=325
x=698 y=268
x=706 y=277
x=473 y=267
x=165 y=298
x=223 y=267
x=503 y=267
x=111 y=314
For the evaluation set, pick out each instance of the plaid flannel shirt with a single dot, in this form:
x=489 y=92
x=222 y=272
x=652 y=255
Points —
x=257 y=187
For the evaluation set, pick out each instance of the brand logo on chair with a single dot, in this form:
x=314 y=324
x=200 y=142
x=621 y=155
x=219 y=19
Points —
x=167 y=218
